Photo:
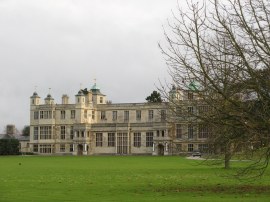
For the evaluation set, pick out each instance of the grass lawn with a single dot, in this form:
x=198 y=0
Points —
x=122 y=178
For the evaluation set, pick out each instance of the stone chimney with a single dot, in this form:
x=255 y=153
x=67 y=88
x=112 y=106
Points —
x=65 y=99
x=11 y=130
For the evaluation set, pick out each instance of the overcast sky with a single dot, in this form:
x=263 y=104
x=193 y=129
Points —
x=62 y=44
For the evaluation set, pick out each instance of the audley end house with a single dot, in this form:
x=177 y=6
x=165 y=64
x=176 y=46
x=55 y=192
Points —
x=94 y=126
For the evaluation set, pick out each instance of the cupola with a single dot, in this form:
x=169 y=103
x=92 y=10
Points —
x=95 y=88
x=80 y=97
x=35 y=99
x=97 y=96
x=176 y=93
x=49 y=100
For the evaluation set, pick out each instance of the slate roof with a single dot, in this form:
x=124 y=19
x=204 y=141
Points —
x=18 y=137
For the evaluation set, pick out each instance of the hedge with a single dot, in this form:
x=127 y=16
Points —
x=9 y=147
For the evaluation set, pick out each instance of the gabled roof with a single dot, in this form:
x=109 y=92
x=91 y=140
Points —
x=23 y=138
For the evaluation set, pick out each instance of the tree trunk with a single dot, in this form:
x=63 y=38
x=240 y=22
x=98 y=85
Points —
x=228 y=156
x=227 y=159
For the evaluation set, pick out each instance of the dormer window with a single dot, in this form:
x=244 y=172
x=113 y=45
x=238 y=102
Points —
x=101 y=100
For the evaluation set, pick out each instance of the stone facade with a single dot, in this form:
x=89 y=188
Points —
x=93 y=126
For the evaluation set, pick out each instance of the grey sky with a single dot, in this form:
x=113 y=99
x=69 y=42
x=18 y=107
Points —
x=61 y=44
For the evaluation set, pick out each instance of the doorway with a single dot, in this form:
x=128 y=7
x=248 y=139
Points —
x=160 y=150
x=80 y=150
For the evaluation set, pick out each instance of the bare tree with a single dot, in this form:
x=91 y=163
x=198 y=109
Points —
x=224 y=48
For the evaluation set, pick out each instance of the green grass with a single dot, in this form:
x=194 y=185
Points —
x=118 y=178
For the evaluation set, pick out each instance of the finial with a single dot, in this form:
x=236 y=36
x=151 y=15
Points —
x=35 y=88
x=95 y=81
x=49 y=90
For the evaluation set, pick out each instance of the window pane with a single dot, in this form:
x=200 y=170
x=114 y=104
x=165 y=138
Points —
x=137 y=139
x=149 y=139
x=99 y=139
x=111 y=139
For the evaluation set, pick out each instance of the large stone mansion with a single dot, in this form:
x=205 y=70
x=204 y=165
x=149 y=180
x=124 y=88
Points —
x=94 y=126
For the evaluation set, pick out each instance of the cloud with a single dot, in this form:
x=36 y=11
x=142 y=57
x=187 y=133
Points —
x=61 y=44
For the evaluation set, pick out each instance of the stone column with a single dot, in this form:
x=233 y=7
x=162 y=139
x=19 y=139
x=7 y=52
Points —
x=154 y=153
x=116 y=138
x=84 y=149
x=166 y=149
x=74 y=149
